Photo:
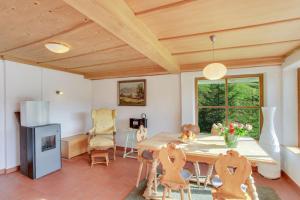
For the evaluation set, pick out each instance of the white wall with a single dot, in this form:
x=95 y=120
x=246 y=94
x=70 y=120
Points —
x=162 y=109
x=290 y=157
x=72 y=109
x=272 y=92
x=22 y=83
x=290 y=105
x=25 y=82
x=2 y=136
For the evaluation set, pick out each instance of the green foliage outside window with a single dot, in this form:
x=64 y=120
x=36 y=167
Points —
x=242 y=104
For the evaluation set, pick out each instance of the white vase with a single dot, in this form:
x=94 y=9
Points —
x=269 y=142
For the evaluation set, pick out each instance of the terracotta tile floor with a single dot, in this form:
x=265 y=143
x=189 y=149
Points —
x=77 y=181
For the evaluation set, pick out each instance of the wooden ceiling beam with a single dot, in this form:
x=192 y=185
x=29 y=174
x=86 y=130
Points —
x=84 y=54
x=126 y=72
x=227 y=30
x=235 y=47
x=43 y=65
x=116 y=17
x=240 y=63
x=108 y=63
x=179 y=3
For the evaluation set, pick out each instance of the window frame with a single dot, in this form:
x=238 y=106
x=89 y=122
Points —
x=227 y=107
x=298 y=96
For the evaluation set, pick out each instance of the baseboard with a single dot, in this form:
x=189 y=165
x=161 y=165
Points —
x=291 y=181
x=120 y=148
x=9 y=170
x=13 y=169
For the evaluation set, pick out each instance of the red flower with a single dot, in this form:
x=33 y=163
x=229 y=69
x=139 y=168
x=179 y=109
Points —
x=231 y=128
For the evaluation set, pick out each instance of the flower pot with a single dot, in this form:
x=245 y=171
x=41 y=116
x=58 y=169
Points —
x=231 y=140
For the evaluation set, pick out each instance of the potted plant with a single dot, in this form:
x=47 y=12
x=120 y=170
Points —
x=233 y=132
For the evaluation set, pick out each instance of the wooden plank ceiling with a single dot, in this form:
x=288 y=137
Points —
x=120 y=38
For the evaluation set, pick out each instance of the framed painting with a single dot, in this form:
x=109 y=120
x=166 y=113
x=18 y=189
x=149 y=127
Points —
x=132 y=93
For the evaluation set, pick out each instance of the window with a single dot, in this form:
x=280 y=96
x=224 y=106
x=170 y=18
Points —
x=232 y=99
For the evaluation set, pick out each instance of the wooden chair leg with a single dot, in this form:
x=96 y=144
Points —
x=147 y=170
x=181 y=194
x=164 y=193
x=189 y=193
x=106 y=159
x=91 y=159
x=155 y=183
x=169 y=192
x=139 y=174
x=209 y=174
x=115 y=148
x=198 y=173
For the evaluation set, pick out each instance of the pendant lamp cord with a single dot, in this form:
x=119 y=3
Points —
x=213 y=45
x=212 y=39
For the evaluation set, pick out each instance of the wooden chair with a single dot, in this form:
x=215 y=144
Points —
x=233 y=171
x=144 y=156
x=102 y=135
x=174 y=177
x=196 y=130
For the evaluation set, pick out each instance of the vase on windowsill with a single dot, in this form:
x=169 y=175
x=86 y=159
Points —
x=269 y=142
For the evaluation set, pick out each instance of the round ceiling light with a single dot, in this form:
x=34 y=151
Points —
x=214 y=71
x=57 y=47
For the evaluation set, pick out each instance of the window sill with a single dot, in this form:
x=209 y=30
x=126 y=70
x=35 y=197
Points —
x=293 y=149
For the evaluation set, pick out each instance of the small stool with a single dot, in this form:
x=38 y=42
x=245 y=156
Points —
x=95 y=155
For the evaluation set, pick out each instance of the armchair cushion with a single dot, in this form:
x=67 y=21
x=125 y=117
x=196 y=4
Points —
x=104 y=121
x=102 y=140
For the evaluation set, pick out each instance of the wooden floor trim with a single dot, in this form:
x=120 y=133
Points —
x=9 y=170
x=120 y=148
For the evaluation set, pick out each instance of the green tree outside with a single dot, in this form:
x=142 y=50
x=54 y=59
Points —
x=241 y=93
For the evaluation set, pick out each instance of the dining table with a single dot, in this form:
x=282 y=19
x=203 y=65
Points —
x=205 y=148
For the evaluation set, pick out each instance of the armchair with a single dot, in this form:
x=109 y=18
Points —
x=102 y=135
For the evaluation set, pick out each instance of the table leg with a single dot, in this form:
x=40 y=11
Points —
x=125 y=149
x=197 y=171
x=148 y=192
x=252 y=188
x=132 y=142
x=209 y=174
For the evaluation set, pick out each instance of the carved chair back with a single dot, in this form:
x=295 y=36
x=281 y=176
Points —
x=233 y=170
x=172 y=159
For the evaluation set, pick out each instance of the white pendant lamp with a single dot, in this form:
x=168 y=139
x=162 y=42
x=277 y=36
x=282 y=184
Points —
x=214 y=71
x=57 y=47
